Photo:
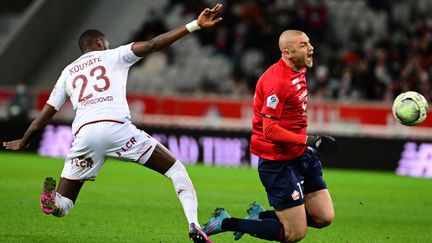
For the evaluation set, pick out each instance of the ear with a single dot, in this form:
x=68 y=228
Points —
x=100 y=42
x=287 y=53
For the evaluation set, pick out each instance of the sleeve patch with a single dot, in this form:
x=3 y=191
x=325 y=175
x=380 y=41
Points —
x=272 y=101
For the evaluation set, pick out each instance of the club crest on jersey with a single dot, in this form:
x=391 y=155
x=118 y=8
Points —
x=295 y=195
x=272 y=101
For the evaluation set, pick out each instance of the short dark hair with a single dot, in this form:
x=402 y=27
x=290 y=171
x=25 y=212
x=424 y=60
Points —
x=87 y=37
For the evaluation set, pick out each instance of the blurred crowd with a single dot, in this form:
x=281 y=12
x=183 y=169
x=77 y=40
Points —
x=364 y=49
x=9 y=13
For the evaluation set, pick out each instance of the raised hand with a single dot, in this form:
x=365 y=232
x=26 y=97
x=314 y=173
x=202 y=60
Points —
x=14 y=145
x=207 y=17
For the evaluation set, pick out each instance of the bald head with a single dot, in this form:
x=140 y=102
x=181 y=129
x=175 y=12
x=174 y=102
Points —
x=296 y=49
x=287 y=38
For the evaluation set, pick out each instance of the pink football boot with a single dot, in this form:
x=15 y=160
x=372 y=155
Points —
x=47 y=198
x=197 y=235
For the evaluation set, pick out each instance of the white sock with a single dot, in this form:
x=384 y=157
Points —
x=185 y=191
x=63 y=204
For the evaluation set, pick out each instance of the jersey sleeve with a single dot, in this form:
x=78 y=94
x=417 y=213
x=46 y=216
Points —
x=58 y=95
x=126 y=55
x=274 y=95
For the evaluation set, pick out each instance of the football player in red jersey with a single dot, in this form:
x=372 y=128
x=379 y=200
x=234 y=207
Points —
x=288 y=166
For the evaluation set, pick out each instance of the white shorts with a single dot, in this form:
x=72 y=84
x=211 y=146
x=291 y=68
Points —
x=97 y=141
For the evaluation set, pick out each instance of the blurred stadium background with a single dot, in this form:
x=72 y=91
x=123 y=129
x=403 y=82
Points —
x=195 y=96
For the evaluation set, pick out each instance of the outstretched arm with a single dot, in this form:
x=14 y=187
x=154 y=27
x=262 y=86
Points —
x=36 y=126
x=272 y=131
x=276 y=133
x=205 y=19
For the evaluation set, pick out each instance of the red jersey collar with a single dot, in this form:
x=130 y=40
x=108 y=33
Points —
x=287 y=69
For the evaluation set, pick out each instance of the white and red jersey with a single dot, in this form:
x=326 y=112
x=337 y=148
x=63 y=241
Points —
x=96 y=86
x=280 y=94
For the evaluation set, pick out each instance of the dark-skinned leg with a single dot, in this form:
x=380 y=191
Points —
x=161 y=160
x=67 y=193
x=70 y=188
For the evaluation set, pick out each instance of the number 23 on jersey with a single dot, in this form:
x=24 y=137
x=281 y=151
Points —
x=85 y=90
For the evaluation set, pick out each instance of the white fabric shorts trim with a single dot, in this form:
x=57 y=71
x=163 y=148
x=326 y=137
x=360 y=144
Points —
x=97 y=141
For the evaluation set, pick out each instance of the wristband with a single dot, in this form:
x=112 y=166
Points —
x=193 y=26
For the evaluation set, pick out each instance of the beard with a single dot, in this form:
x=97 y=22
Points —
x=301 y=61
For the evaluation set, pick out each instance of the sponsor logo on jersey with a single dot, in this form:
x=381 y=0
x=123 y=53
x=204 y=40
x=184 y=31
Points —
x=97 y=100
x=295 y=81
x=303 y=95
x=272 y=101
x=127 y=146
x=82 y=162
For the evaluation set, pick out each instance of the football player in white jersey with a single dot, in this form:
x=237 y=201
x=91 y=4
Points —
x=96 y=86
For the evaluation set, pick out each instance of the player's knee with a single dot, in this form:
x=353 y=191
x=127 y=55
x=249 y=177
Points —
x=324 y=220
x=295 y=235
x=324 y=223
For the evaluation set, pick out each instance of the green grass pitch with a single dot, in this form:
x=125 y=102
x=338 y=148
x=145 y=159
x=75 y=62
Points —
x=129 y=203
